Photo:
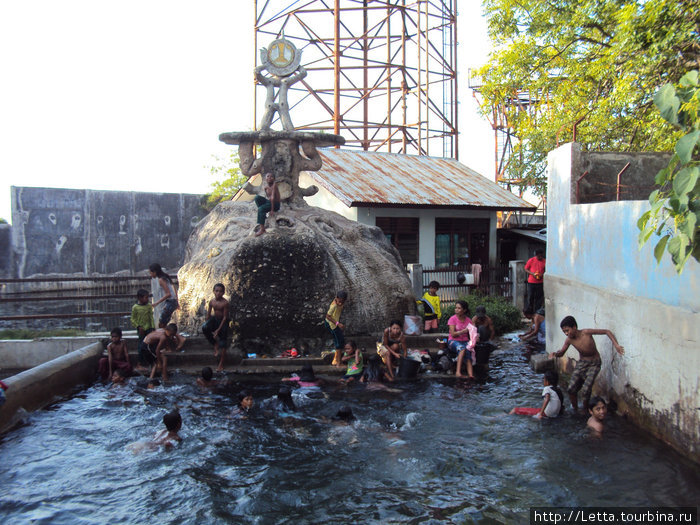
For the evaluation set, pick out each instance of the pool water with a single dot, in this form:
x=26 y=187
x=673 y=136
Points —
x=429 y=451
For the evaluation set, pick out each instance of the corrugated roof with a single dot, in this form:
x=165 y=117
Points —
x=389 y=179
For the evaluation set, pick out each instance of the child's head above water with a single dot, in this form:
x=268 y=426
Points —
x=119 y=376
x=245 y=400
x=207 y=373
x=344 y=414
x=598 y=408
x=172 y=421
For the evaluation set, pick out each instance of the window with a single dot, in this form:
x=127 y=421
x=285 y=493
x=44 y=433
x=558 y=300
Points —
x=402 y=232
x=459 y=242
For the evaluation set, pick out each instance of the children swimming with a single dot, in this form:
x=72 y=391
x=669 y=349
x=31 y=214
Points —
x=598 y=411
x=167 y=438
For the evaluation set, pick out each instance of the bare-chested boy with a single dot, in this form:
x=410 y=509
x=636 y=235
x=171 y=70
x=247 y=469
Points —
x=117 y=356
x=588 y=366
x=269 y=202
x=215 y=329
x=157 y=344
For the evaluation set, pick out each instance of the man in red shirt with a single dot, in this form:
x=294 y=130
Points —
x=535 y=268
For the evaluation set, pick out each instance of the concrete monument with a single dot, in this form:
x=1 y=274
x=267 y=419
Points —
x=280 y=284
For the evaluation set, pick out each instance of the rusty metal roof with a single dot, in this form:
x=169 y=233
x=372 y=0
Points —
x=361 y=178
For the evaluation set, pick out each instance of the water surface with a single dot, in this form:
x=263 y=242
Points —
x=431 y=451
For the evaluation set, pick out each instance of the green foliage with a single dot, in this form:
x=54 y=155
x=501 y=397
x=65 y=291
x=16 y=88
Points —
x=675 y=206
x=230 y=180
x=504 y=315
x=24 y=333
x=596 y=62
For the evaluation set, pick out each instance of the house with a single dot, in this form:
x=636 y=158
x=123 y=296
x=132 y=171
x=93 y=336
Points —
x=436 y=211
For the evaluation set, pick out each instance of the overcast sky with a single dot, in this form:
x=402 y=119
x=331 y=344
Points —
x=132 y=95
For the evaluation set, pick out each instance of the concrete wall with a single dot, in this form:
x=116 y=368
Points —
x=596 y=273
x=99 y=232
x=31 y=353
x=38 y=387
x=6 y=253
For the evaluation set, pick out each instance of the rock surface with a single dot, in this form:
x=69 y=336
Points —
x=281 y=283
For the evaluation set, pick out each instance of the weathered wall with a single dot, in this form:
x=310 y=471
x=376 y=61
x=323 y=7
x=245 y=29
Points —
x=99 y=232
x=596 y=273
x=6 y=253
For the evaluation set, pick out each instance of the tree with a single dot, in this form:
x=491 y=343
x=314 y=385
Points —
x=592 y=62
x=231 y=179
x=675 y=206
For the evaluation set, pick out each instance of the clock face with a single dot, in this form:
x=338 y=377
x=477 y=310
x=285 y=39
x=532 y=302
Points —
x=281 y=53
x=281 y=57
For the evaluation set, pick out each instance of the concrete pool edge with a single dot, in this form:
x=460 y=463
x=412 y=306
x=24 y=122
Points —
x=38 y=387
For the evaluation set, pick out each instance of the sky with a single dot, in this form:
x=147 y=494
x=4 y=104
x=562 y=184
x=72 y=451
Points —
x=133 y=95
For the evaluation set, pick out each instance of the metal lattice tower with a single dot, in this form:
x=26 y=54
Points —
x=383 y=73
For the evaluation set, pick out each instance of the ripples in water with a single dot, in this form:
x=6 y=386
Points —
x=432 y=451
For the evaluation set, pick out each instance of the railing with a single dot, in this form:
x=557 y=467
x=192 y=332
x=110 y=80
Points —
x=84 y=303
x=489 y=280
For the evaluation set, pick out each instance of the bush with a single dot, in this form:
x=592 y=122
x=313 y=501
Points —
x=504 y=315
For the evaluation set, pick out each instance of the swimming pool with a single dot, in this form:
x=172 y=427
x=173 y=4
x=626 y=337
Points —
x=430 y=451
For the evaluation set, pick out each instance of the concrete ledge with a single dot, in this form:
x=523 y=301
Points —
x=36 y=388
x=28 y=353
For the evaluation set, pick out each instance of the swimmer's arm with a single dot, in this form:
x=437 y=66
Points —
x=209 y=309
x=593 y=331
x=567 y=344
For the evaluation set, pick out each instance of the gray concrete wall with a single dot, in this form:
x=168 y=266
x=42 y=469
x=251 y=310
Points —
x=596 y=273
x=38 y=387
x=30 y=353
x=99 y=232
x=6 y=252
x=600 y=183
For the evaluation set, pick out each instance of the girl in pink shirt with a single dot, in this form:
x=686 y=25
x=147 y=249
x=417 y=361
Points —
x=463 y=337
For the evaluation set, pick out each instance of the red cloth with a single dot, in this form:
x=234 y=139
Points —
x=526 y=411
x=103 y=367
x=534 y=265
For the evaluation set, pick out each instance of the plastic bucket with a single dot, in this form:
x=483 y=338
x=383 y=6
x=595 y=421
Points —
x=408 y=368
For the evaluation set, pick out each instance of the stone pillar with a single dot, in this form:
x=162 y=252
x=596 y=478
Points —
x=415 y=274
x=517 y=270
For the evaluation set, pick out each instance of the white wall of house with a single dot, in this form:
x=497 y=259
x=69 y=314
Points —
x=596 y=273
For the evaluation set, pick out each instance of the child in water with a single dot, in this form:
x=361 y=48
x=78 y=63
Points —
x=206 y=379
x=168 y=438
x=245 y=403
x=374 y=372
x=598 y=410
x=553 y=399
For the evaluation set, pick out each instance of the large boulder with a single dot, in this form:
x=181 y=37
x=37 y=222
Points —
x=281 y=283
